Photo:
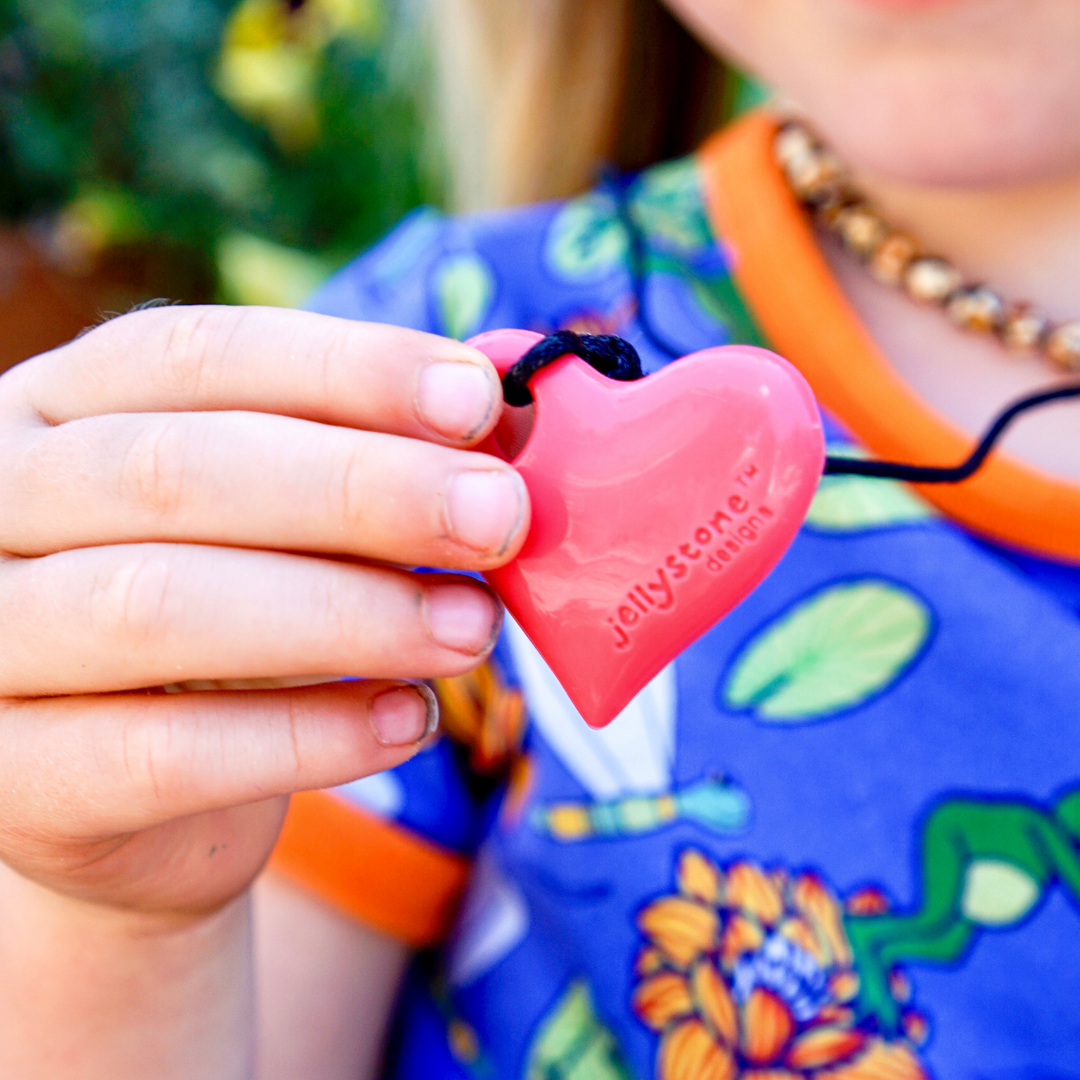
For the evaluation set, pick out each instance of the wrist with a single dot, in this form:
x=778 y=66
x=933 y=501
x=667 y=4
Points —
x=95 y=992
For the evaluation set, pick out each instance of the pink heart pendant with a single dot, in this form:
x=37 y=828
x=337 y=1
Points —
x=657 y=506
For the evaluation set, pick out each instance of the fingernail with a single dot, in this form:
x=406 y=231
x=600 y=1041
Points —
x=462 y=617
x=456 y=399
x=486 y=509
x=404 y=715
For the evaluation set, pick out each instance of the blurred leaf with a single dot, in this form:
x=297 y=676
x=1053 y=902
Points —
x=573 y=1043
x=464 y=288
x=255 y=271
x=830 y=652
x=859 y=504
x=668 y=206
x=316 y=148
x=586 y=241
x=98 y=218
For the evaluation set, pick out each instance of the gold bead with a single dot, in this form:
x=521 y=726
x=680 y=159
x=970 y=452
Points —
x=1063 y=346
x=931 y=279
x=793 y=141
x=861 y=230
x=816 y=177
x=838 y=200
x=1024 y=327
x=813 y=171
x=975 y=307
x=892 y=258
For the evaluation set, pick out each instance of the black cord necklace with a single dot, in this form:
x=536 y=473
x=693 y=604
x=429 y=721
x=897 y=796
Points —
x=639 y=263
x=616 y=358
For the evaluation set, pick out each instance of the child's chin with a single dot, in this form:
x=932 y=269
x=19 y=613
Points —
x=911 y=5
x=926 y=124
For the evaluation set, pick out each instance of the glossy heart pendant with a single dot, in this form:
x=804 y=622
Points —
x=657 y=506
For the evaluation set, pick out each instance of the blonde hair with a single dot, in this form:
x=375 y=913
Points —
x=535 y=94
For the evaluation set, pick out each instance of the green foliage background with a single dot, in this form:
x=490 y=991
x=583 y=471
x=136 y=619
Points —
x=110 y=106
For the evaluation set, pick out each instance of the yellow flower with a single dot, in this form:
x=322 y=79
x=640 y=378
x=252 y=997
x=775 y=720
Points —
x=882 y=1061
x=812 y=899
x=824 y=1046
x=689 y=1052
x=479 y=712
x=798 y=931
x=649 y=962
x=681 y=929
x=741 y=936
x=663 y=998
x=698 y=877
x=751 y=891
x=746 y=975
x=771 y=1074
x=715 y=1003
x=767 y=1027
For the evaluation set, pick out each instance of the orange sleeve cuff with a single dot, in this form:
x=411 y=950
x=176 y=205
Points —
x=370 y=869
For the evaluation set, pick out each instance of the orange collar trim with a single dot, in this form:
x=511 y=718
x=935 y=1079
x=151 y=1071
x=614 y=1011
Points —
x=795 y=298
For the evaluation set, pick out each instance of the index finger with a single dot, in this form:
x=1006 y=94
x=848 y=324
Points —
x=268 y=360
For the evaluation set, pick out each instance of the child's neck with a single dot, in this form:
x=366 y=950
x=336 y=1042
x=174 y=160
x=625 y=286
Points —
x=1024 y=242
x=1021 y=240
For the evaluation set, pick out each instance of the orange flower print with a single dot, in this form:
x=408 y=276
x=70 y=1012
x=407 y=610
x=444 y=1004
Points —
x=746 y=974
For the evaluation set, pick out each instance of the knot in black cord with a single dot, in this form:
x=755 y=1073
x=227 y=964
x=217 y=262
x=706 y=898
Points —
x=616 y=358
x=612 y=356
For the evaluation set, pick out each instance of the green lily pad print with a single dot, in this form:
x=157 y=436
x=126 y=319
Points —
x=464 y=289
x=831 y=652
x=586 y=241
x=669 y=205
x=847 y=504
x=574 y=1044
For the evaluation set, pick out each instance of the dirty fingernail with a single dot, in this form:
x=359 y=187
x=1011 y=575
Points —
x=404 y=715
x=456 y=399
x=465 y=618
x=486 y=509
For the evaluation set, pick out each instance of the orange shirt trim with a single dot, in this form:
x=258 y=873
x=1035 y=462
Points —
x=790 y=288
x=370 y=869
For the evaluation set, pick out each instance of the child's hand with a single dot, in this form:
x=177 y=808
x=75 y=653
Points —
x=194 y=494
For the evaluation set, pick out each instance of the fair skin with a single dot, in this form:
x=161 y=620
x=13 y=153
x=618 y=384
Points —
x=961 y=121
x=206 y=495
x=158 y=473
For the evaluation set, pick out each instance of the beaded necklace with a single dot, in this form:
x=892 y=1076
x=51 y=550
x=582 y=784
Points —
x=819 y=180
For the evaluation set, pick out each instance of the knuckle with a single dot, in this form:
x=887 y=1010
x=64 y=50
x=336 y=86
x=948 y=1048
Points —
x=348 y=494
x=334 y=611
x=141 y=748
x=327 y=356
x=150 y=746
x=128 y=598
x=295 y=752
x=192 y=342
x=154 y=468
